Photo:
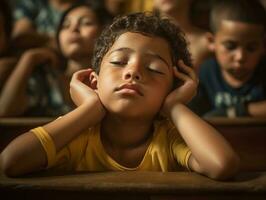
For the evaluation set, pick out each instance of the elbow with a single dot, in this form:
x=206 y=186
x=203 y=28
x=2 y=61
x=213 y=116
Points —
x=8 y=165
x=225 y=168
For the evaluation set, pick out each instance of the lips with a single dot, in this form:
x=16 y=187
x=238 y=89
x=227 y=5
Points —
x=130 y=87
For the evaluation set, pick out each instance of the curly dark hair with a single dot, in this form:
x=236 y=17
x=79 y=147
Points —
x=146 y=23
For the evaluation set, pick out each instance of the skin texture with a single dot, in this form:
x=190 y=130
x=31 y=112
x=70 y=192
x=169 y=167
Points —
x=136 y=72
x=238 y=48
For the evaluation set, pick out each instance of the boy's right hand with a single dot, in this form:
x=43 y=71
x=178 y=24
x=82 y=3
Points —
x=83 y=88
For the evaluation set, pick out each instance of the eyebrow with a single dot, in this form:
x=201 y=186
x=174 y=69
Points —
x=149 y=53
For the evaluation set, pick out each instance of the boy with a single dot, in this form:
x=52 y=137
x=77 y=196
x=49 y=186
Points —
x=232 y=83
x=115 y=125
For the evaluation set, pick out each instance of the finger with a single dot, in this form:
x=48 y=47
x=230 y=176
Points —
x=180 y=75
x=189 y=70
x=82 y=74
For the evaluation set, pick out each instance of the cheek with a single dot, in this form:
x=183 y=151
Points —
x=62 y=42
x=253 y=60
x=90 y=34
x=222 y=55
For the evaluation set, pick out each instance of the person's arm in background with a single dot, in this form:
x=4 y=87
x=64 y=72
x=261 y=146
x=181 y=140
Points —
x=257 y=109
x=15 y=87
x=7 y=65
x=26 y=154
x=25 y=36
x=211 y=153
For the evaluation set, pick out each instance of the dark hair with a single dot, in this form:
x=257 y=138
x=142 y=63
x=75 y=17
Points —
x=146 y=23
x=99 y=13
x=6 y=14
x=247 y=11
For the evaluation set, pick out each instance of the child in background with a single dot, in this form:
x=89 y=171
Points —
x=39 y=80
x=139 y=73
x=233 y=83
x=78 y=30
x=37 y=21
x=179 y=12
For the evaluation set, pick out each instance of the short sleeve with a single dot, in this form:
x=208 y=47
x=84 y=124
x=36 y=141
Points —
x=68 y=157
x=180 y=150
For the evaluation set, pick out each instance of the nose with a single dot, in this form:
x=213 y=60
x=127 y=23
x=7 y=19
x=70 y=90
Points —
x=133 y=72
x=74 y=27
x=240 y=55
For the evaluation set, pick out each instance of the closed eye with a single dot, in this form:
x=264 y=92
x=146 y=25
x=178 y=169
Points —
x=118 y=63
x=155 y=71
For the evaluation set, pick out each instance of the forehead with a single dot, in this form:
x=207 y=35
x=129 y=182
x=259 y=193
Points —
x=80 y=11
x=240 y=30
x=142 y=44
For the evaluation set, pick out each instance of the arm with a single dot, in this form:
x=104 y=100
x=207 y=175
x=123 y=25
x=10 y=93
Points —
x=25 y=36
x=15 y=159
x=211 y=153
x=257 y=109
x=253 y=109
x=7 y=64
x=15 y=86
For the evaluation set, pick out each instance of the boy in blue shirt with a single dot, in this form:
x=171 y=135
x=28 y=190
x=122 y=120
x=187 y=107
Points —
x=231 y=84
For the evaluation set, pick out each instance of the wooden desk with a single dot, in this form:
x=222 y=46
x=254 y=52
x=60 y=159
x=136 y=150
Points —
x=247 y=136
x=135 y=185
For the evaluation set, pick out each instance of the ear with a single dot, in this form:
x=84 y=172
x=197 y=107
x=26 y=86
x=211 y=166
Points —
x=211 y=40
x=94 y=80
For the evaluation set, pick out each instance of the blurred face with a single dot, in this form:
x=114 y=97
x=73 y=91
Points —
x=135 y=76
x=78 y=33
x=165 y=6
x=3 y=42
x=238 y=48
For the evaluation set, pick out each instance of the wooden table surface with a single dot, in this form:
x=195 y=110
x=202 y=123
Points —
x=144 y=185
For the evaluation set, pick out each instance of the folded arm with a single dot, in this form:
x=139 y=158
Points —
x=211 y=153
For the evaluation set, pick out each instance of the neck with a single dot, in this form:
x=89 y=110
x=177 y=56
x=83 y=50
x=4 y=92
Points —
x=124 y=134
x=233 y=82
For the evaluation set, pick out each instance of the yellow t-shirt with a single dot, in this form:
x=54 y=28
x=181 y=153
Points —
x=166 y=152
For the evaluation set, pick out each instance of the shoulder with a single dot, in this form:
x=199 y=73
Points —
x=167 y=130
x=210 y=68
x=208 y=64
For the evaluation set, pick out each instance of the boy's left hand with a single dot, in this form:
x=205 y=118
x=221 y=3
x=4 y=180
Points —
x=186 y=91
